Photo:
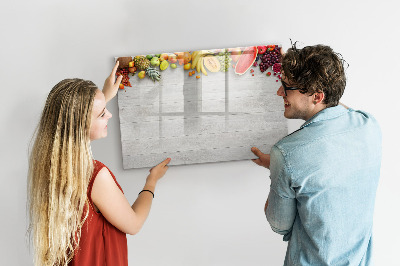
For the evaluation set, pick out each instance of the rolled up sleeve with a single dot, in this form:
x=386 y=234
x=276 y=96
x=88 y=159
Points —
x=281 y=210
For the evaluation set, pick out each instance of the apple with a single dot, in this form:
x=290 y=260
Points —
x=155 y=61
x=187 y=57
x=180 y=57
x=131 y=64
x=261 y=49
x=132 y=69
x=164 y=57
x=172 y=58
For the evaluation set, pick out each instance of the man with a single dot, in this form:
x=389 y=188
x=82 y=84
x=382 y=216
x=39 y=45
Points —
x=324 y=175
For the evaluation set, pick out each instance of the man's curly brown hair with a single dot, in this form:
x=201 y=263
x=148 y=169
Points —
x=316 y=69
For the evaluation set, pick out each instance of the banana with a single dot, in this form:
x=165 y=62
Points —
x=198 y=64
x=195 y=60
x=194 y=53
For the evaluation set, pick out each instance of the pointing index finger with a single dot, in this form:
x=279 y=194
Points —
x=166 y=161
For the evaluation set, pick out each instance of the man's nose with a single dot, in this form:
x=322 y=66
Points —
x=280 y=91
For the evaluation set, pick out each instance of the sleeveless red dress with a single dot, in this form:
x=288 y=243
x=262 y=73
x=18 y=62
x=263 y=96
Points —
x=101 y=243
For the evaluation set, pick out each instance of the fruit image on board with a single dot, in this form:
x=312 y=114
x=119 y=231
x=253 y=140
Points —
x=212 y=63
x=261 y=49
x=124 y=61
x=179 y=57
x=142 y=74
x=153 y=74
x=172 y=58
x=235 y=53
x=206 y=63
x=155 y=61
x=164 y=65
x=141 y=62
x=187 y=57
x=132 y=69
x=125 y=76
x=164 y=57
x=246 y=60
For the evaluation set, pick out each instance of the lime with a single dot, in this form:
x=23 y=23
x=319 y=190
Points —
x=149 y=56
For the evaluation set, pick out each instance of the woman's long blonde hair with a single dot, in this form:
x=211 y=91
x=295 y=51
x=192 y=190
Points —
x=60 y=167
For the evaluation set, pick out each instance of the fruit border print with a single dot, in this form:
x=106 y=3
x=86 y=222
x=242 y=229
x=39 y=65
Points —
x=200 y=106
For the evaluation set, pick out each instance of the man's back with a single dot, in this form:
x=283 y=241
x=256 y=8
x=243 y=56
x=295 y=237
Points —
x=330 y=174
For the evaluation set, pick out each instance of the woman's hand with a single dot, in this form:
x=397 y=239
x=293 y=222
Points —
x=158 y=171
x=111 y=85
x=263 y=159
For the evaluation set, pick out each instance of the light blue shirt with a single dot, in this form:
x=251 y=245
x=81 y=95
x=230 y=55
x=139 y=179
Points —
x=323 y=183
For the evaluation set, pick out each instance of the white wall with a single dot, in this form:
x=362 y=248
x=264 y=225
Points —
x=205 y=214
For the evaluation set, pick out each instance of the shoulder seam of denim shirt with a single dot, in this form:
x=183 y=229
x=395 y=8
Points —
x=314 y=140
x=311 y=121
x=293 y=181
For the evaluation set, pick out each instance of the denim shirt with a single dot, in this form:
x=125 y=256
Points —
x=324 y=178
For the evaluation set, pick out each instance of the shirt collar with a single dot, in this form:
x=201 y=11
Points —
x=325 y=114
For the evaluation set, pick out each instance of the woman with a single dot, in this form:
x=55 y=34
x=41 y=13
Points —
x=78 y=212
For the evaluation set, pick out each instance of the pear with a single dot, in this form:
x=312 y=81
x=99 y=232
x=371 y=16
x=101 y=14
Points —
x=142 y=74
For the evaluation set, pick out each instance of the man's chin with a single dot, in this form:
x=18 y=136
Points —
x=287 y=115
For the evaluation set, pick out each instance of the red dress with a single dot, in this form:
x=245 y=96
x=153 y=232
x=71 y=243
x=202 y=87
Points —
x=101 y=243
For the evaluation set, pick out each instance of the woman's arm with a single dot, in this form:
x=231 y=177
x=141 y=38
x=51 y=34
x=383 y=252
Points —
x=114 y=206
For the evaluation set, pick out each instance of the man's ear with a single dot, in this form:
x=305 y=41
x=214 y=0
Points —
x=318 y=97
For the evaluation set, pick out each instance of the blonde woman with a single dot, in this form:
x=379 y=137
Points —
x=78 y=212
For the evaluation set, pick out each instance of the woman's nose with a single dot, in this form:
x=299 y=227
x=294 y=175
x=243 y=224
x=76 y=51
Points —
x=109 y=114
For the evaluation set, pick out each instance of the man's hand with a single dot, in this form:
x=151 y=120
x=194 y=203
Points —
x=263 y=159
x=111 y=85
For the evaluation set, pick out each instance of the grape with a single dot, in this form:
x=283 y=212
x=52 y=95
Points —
x=269 y=58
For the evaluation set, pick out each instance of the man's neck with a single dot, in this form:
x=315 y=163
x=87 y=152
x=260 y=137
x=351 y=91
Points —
x=318 y=108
